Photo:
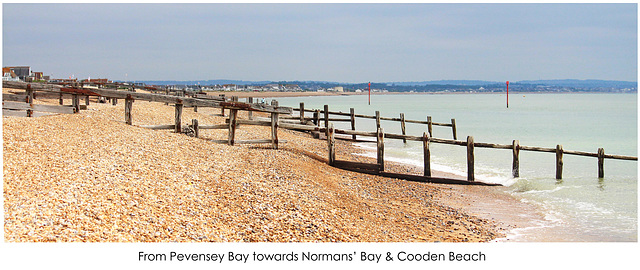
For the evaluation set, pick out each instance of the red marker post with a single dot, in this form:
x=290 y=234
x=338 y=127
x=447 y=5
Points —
x=507 y=94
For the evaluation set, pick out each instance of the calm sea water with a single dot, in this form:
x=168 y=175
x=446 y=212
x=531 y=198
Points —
x=580 y=207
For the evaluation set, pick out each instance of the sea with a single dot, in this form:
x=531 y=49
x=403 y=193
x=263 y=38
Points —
x=578 y=208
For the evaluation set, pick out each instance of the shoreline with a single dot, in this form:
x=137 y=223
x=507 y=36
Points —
x=353 y=208
x=488 y=202
x=243 y=94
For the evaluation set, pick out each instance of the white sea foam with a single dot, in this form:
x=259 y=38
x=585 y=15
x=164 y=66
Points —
x=533 y=191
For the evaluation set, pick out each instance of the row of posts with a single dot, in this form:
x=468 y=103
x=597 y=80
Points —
x=380 y=137
x=316 y=120
x=427 y=152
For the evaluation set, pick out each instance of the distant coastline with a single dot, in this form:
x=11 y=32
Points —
x=275 y=94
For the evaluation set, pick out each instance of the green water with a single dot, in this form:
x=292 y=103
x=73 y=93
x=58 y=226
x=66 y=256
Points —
x=580 y=207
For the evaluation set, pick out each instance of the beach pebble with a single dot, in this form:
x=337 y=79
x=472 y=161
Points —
x=89 y=177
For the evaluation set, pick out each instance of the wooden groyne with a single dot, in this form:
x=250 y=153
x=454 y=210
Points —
x=326 y=113
x=427 y=139
x=282 y=117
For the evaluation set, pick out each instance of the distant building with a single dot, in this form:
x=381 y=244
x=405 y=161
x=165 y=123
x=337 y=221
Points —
x=23 y=72
x=272 y=87
x=37 y=76
x=229 y=87
x=9 y=75
x=339 y=89
x=292 y=87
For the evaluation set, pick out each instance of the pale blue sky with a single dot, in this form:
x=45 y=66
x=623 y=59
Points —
x=328 y=42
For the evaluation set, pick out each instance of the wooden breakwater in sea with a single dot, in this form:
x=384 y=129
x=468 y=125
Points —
x=427 y=139
x=282 y=117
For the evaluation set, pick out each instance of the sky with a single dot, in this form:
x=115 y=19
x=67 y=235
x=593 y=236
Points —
x=349 y=43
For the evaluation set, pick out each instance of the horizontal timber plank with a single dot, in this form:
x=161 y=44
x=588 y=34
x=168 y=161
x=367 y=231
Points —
x=537 y=149
x=186 y=101
x=13 y=97
x=6 y=112
x=390 y=119
x=446 y=141
x=301 y=127
x=352 y=140
x=620 y=157
x=339 y=120
x=343 y=164
x=354 y=132
x=34 y=86
x=423 y=179
x=23 y=113
x=222 y=126
x=250 y=122
x=580 y=153
x=259 y=141
x=36 y=107
x=493 y=145
x=439 y=180
x=156 y=127
x=203 y=96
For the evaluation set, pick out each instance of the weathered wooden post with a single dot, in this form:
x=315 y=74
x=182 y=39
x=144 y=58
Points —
x=377 y=119
x=250 y=113
x=128 y=106
x=75 y=102
x=331 y=141
x=380 y=141
x=178 y=122
x=61 y=100
x=470 y=159
x=352 y=111
x=429 y=126
x=600 y=162
x=402 y=127
x=223 y=99
x=302 y=113
x=326 y=119
x=166 y=93
x=453 y=129
x=114 y=101
x=316 y=118
x=232 y=125
x=559 y=161
x=196 y=127
x=516 y=159
x=29 y=94
x=86 y=100
x=427 y=155
x=274 y=126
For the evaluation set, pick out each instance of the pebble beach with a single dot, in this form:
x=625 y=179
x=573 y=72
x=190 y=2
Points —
x=89 y=177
